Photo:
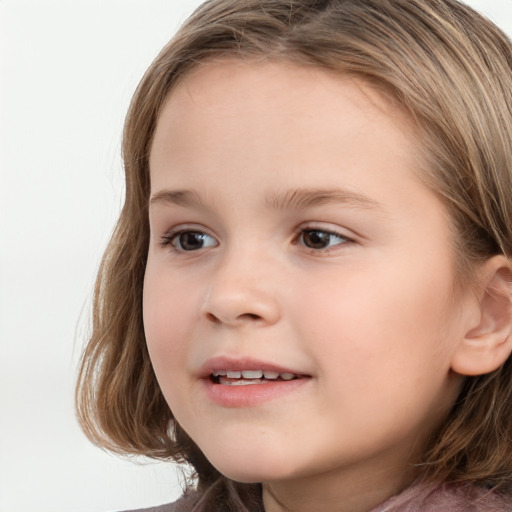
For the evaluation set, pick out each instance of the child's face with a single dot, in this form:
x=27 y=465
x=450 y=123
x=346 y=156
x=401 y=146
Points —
x=290 y=233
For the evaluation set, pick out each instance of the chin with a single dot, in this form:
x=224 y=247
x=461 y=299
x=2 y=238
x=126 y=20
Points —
x=244 y=470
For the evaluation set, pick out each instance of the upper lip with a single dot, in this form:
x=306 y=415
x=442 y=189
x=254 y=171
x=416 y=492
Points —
x=242 y=363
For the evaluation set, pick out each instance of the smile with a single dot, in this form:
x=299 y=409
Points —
x=244 y=382
x=249 y=377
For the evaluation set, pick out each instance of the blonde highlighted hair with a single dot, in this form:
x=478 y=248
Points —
x=444 y=64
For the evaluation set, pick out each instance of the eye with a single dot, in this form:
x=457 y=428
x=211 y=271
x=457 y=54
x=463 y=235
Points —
x=189 y=240
x=321 y=239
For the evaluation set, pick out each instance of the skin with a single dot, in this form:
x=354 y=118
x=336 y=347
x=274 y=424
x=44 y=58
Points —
x=371 y=318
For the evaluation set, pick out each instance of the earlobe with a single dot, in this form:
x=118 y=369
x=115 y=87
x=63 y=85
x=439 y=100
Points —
x=487 y=342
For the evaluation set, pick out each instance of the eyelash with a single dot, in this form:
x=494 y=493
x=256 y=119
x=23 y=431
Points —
x=168 y=240
x=332 y=234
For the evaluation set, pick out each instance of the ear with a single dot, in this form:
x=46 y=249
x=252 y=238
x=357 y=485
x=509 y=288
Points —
x=487 y=342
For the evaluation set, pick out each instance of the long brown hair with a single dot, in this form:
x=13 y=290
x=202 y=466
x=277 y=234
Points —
x=451 y=70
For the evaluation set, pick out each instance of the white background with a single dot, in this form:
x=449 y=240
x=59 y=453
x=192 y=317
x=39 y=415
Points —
x=67 y=71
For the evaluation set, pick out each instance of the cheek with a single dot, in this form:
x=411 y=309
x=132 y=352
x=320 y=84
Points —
x=383 y=349
x=168 y=312
x=382 y=320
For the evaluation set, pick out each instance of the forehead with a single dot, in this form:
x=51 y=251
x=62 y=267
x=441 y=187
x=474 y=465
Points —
x=255 y=79
x=273 y=103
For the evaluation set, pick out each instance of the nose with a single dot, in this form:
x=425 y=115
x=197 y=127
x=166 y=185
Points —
x=242 y=293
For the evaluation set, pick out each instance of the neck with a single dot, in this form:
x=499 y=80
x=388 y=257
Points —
x=332 y=492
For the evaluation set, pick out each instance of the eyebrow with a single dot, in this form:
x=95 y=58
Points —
x=186 y=198
x=301 y=199
x=298 y=199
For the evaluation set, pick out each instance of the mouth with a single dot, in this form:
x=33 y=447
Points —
x=250 y=377
x=243 y=382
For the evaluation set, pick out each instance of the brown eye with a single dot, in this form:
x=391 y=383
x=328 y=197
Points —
x=319 y=239
x=192 y=241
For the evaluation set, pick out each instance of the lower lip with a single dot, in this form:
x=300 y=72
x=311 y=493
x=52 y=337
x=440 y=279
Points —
x=250 y=395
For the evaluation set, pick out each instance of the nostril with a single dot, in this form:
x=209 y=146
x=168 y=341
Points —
x=212 y=318
x=243 y=317
x=239 y=307
x=249 y=316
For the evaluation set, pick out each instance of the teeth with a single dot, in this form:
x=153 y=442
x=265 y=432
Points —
x=252 y=374
x=242 y=382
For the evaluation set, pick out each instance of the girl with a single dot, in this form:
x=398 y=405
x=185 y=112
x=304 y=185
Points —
x=307 y=297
